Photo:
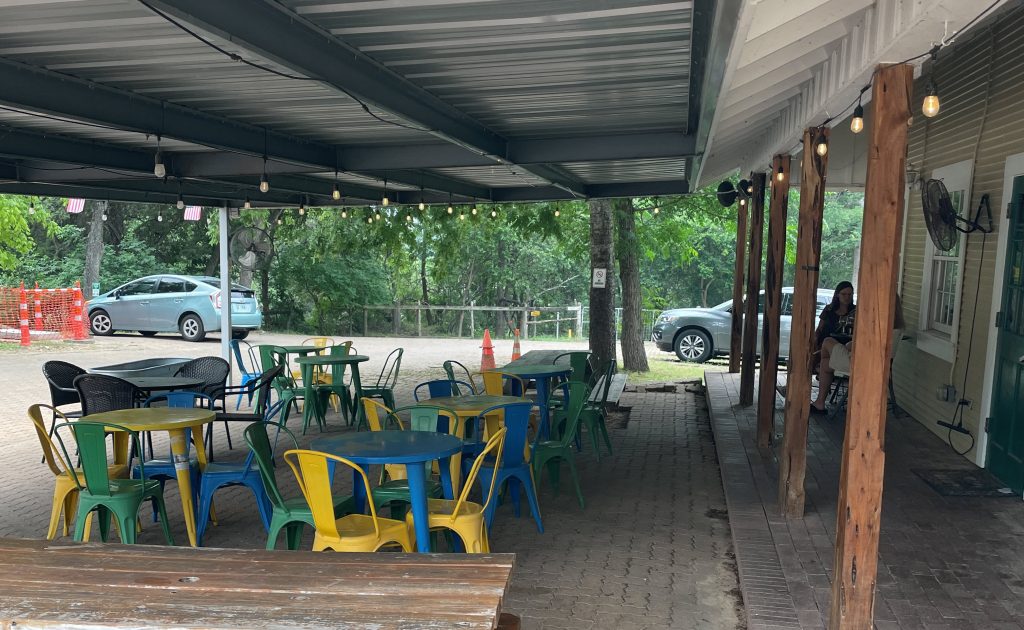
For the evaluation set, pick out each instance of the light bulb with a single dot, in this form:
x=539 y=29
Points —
x=930 y=106
x=462 y=216
x=264 y=184
x=104 y=216
x=422 y=205
x=302 y=209
x=377 y=217
x=279 y=221
x=181 y=203
x=821 y=149
x=369 y=220
x=248 y=204
x=336 y=193
x=657 y=209
x=344 y=214
x=474 y=211
x=159 y=217
x=158 y=166
x=494 y=213
x=385 y=201
x=857 y=122
x=408 y=217
x=558 y=212
x=32 y=207
x=450 y=209
x=779 y=176
x=743 y=202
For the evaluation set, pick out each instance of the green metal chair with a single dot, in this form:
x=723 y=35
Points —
x=334 y=384
x=593 y=414
x=104 y=495
x=284 y=385
x=550 y=453
x=288 y=514
x=384 y=388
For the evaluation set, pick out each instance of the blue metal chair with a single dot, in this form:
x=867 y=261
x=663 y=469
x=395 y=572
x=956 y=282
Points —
x=163 y=469
x=513 y=469
x=440 y=388
x=249 y=374
x=247 y=474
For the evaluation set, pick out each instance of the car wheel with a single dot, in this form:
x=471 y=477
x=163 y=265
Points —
x=147 y=333
x=100 y=323
x=239 y=333
x=693 y=346
x=191 y=328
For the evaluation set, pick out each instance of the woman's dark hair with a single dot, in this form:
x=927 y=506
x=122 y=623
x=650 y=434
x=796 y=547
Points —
x=834 y=304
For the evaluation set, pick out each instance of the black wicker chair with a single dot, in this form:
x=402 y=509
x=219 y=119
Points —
x=60 y=376
x=100 y=393
x=214 y=372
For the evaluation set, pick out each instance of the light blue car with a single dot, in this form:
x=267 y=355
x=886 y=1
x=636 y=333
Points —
x=189 y=305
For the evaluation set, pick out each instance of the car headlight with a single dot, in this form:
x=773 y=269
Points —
x=664 y=319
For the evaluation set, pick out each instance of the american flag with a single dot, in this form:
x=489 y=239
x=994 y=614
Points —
x=193 y=213
x=76 y=205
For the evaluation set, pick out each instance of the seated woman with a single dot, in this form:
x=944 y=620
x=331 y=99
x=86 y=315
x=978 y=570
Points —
x=835 y=340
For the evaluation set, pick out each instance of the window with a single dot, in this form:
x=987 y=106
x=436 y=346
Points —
x=941 y=282
x=171 y=285
x=139 y=287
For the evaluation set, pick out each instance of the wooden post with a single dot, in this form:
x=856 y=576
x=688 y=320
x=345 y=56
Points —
x=419 y=322
x=558 y=324
x=753 y=291
x=472 y=318
x=793 y=459
x=366 y=322
x=860 y=480
x=736 y=338
x=778 y=208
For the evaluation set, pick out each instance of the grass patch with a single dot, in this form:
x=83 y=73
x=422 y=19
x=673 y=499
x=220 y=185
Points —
x=666 y=368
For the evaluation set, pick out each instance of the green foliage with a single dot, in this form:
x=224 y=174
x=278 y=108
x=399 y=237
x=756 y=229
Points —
x=16 y=222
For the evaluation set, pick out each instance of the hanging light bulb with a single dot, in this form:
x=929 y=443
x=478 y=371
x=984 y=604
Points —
x=180 y=205
x=474 y=210
x=743 y=202
x=264 y=182
x=930 y=106
x=248 y=204
x=657 y=206
x=821 y=149
x=408 y=218
x=558 y=212
x=462 y=216
x=385 y=201
x=369 y=220
x=159 y=216
x=494 y=213
x=344 y=214
x=302 y=209
x=377 y=217
x=104 y=217
x=279 y=221
x=450 y=209
x=422 y=206
x=336 y=193
x=779 y=175
x=31 y=207
x=158 y=162
x=857 y=122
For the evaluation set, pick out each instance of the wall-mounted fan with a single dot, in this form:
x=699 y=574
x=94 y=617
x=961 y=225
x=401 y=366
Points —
x=944 y=224
x=251 y=248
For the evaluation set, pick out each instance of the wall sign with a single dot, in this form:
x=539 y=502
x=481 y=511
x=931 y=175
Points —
x=600 y=278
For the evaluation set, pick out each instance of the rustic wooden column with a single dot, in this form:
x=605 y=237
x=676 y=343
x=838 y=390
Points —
x=777 y=209
x=793 y=459
x=860 y=481
x=753 y=289
x=736 y=338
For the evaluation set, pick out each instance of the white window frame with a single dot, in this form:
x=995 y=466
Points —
x=940 y=340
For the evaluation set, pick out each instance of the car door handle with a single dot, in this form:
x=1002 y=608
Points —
x=144 y=303
x=178 y=301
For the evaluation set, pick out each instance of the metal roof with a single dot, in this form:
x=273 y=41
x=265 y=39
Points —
x=495 y=100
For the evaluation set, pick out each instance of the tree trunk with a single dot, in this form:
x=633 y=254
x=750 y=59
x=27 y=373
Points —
x=94 y=248
x=424 y=294
x=602 y=303
x=634 y=357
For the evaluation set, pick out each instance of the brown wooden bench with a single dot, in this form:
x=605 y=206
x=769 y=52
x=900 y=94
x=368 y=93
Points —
x=62 y=584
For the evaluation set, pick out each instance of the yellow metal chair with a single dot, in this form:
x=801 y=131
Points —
x=316 y=342
x=65 y=491
x=380 y=418
x=465 y=517
x=495 y=381
x=353 y=532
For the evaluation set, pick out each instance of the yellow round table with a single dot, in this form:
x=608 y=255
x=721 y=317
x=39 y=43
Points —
x=174 y=420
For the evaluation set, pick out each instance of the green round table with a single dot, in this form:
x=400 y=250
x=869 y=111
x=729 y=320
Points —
x=306 y=364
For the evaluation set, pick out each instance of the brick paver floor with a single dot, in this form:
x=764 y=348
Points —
x=945 y=562
x=651 y=549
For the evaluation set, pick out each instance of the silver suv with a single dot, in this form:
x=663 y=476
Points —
x=698 y=334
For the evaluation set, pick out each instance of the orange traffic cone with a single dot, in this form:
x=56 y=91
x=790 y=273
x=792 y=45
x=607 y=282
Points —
x=515 y=346
x=78 y=329
x=487 y=358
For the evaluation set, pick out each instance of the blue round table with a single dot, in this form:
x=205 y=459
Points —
x=412 y=448
x=542 y=375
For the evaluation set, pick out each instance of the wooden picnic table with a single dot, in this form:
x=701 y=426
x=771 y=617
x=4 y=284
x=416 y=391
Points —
x=57 y=584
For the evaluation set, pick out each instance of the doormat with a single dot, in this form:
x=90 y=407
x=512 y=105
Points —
x=964 y=482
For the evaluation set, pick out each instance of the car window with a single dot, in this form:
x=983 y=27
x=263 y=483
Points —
x=171 y=285
x=787 y=304
x=139 y=287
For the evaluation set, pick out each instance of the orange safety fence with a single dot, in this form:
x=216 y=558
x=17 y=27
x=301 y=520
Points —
x=34 y=314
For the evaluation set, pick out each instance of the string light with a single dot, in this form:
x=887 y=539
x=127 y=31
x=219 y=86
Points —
x=743 y=202
x=779 y=175
x=377 y=216
x=494 y=212
x=369 y=220
x=657 y=208
x=462 y=215
x=821 y=148
x=104 y=217
x=384 y=200
x=474 y=210
x=408 y=217
x=180 y=205
x=336 y=191
x=158 y=162
x=32 y=207
x=930 y=106
x=344 y=214
x=302 y=209
x=422 y=205
x=279 y=221
x=248 y=204
x=857 y=122
x=159 y=216
x=450 y=209
x=558 y=212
